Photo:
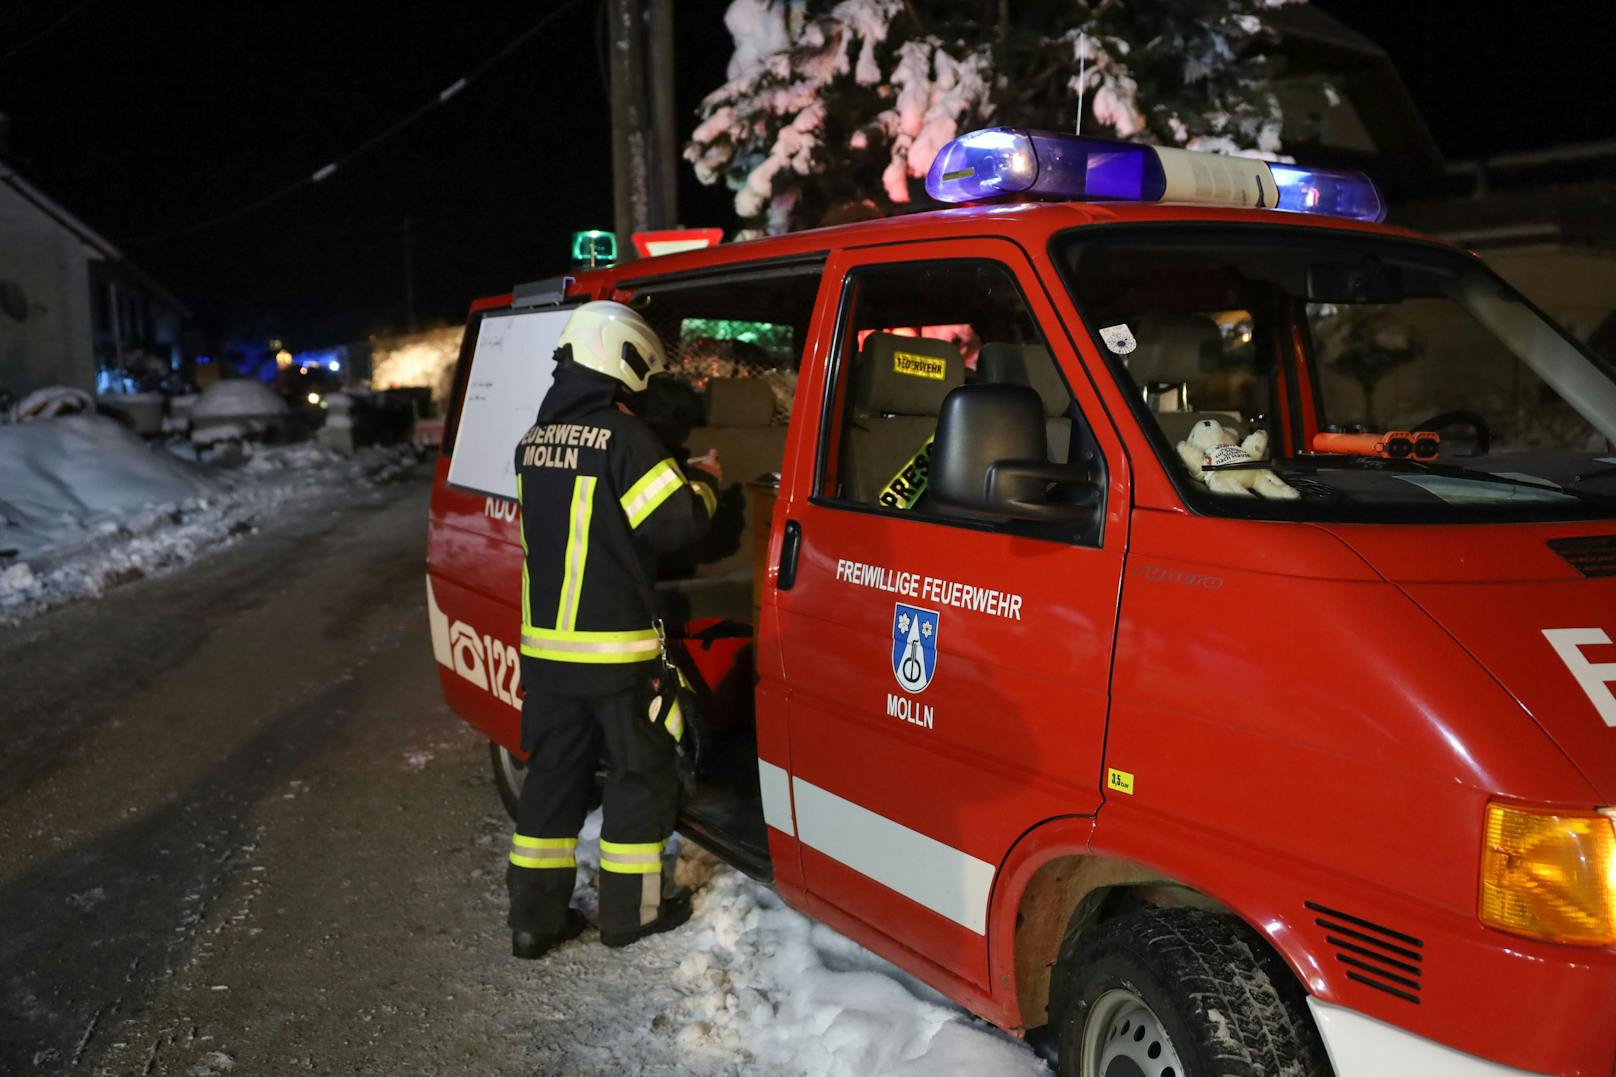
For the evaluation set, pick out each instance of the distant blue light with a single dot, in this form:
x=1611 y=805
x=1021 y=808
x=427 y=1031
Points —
x=326 y=358
x=204 y=360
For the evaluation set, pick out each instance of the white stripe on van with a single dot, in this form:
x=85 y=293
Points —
x=776 y=788
x=940 y=877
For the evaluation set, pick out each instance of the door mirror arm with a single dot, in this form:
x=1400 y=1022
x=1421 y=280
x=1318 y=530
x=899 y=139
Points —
x=1074 y=502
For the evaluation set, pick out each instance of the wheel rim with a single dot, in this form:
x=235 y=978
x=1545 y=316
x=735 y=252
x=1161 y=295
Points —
x=512 y=769
x=1123 y=1037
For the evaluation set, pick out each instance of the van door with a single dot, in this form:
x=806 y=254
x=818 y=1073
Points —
x=948 y=677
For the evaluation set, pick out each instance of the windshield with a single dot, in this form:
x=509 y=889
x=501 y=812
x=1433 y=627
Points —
x=1295 y=373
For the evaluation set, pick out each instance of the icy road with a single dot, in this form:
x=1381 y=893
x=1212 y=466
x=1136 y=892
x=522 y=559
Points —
x=240 y=833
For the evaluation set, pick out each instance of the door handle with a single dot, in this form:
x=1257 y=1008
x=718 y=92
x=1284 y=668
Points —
x=790 y=546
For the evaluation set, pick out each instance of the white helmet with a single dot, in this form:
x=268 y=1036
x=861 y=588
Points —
x=610 y=338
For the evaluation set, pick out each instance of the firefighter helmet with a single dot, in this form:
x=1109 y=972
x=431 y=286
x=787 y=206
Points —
x=613 y=340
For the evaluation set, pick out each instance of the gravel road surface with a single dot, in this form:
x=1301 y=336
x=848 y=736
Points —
x=241 y=833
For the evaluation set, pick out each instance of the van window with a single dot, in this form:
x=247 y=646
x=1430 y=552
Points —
x=734 y=343
x=1344 y=377
x=911 y=333
x=746 y=325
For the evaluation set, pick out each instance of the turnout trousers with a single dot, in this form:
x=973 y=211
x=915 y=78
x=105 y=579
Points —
x=566 y=738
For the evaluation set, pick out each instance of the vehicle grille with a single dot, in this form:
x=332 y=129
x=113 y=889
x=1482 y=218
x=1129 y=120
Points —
x=1591 y=555
x=1375 y=956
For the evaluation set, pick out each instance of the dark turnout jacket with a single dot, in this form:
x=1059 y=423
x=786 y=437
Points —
x=600 y=498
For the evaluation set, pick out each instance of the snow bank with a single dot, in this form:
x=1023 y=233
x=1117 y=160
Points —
x=800 y=998
x=762 y=983
x=238 y=398
x=62 y=477
x=85 y=505
x=54 y=400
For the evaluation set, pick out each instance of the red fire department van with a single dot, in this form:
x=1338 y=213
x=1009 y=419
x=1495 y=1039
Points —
x=1161 y=605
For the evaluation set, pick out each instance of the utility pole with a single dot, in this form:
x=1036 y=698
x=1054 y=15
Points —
x=643 y=151
x=664 y=194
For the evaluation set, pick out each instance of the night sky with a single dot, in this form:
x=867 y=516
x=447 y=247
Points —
x=145 y=118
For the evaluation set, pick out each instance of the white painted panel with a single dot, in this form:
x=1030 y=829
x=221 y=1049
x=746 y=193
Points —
x=776 y=787
x=511 y=370
x=1361 y=1046
x=921 y=868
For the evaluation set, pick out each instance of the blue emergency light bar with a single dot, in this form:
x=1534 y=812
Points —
x=998 y=162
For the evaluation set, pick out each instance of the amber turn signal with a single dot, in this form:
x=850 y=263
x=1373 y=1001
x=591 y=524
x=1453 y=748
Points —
x=1550 y=874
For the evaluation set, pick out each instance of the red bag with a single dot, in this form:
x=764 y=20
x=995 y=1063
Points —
x=716 y=655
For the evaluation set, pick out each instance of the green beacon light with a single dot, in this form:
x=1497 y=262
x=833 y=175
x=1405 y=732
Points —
x=594 y=248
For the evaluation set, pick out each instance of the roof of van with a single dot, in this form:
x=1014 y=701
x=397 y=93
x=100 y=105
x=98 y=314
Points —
x=1028 y=223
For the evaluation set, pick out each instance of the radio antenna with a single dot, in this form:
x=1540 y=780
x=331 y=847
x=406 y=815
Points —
x=1082 y=67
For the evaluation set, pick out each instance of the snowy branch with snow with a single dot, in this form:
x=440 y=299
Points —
x=838 y=106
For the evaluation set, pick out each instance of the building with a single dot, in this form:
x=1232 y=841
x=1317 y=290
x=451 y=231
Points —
x=72 y=307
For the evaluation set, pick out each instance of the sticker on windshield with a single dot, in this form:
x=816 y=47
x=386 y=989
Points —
x=1119 y=338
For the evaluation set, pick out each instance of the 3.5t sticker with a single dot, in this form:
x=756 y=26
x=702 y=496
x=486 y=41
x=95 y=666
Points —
x=914 y=646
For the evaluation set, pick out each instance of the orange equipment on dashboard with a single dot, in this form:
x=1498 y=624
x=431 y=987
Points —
x=1392 y=445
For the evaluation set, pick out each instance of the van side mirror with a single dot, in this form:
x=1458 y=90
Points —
x=990 y=458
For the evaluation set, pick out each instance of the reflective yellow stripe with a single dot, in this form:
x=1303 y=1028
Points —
x=707 y=496
x=590 y=647
x=631 y=869
x=521 y=529
x=674 y=723
x=572 y=579
x=652 y=489
x=544 y=843
x=588 y=658
x=631 y=858
x=529 y=852
x=584 y=636
x=631 y=847
x=568 y=861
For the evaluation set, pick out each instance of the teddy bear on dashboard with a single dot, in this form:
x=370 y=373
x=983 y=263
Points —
x=1211 y=444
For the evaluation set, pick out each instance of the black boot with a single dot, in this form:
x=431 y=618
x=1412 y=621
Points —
x=528 y=945
x=675 y=911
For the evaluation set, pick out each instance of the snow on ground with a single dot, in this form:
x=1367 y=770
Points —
x=763 y=989
x=85 y=505
x=237 y=398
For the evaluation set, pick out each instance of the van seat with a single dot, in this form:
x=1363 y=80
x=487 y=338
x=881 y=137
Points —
x=898 y=392
x=740 y=425
x=1031 y=365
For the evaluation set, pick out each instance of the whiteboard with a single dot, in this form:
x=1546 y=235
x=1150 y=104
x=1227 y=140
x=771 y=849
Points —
x=511 y=370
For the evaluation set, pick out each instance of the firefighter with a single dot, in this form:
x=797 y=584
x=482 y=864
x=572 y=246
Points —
x=600 y=498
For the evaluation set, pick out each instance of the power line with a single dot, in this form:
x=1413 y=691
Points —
x=324 y=172
x=60 y=21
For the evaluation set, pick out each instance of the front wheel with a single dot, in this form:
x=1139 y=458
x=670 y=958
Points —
x=509 y=772
x=1180 y=993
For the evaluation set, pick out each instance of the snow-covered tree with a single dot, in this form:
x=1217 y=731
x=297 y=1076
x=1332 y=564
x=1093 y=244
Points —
x=833 y=106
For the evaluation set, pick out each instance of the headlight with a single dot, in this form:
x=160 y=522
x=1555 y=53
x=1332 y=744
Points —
x=1550 y=874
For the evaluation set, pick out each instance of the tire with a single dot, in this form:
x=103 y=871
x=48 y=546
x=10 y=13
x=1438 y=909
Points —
x=509 y=772
x=1180 y=993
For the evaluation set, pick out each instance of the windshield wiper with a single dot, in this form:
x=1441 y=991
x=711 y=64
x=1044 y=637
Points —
x=1474 y=474
x=1319 y=462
